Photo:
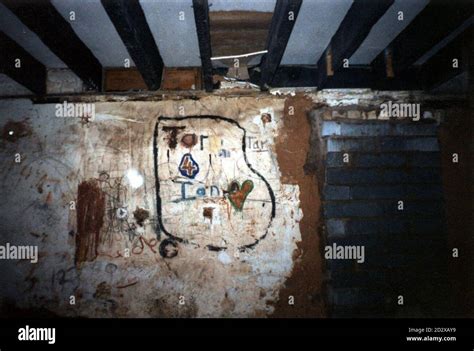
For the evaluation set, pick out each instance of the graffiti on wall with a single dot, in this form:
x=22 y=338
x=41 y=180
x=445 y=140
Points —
x=208 y=193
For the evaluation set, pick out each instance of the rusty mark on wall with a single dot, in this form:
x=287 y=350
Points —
x=207 y=212
x=90 y=219
x=189 y=140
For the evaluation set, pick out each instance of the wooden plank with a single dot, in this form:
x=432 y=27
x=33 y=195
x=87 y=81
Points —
x=129 y=20
x=231 y=30
x=31 y=73
x=42 y=18
x=201 y=17
x=283 y=21
x=123 y=79
x=182 y=78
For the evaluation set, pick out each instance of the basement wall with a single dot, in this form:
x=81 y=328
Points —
x=197 y=206
x=232 y=227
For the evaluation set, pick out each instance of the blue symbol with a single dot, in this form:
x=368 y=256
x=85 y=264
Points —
x=188 y=167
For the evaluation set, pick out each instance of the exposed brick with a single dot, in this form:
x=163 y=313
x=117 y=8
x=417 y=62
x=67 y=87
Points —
x=379 y=160
x=424 y=159
x=354 y=209
x=338 y=114
x=342 y=145
x=424 y=191
x=378 y=208
x=422 y=226
x=416 y=129
x=336 y=192
x=345 y=176
x=409 y=144
x=386 y=129
x=427 y=115
x=355 y=296
x=356 y=226
x=349 y=279
x=335 y=227
x=335 y=159
x=372 y=115
x=331 y=128
x=377 y=192
x=327 y=115
x=388 y=162
x=354 y=114
x=384 y=144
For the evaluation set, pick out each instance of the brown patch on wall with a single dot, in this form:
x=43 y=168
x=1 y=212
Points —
x=12 y=131
x=189 y=140
x=141 y=215
x=208 y=213
x=305 y=282
x=90 y=218
x=456 y=137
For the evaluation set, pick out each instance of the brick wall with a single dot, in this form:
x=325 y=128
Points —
x=405 y=250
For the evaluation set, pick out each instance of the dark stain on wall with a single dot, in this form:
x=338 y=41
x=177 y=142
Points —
x=208 y=213
x=90 y=219
x=141 y=215
x=12 y=131
x=172 y=135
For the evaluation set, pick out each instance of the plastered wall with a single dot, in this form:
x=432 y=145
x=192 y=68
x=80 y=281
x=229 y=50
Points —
x=93 y=193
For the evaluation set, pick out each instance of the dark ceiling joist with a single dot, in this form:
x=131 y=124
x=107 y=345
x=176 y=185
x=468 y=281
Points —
x=349 y=78
x=305 y=76
x=130 y=22
x=449 y=62
x=283 y=21
x=30 y=73
x=201 y=17
x=354 y=28
x=436 y=21
x=42 y=18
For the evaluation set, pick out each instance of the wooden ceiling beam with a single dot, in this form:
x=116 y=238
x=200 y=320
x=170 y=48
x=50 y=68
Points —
x=20 y=66
x=283 y=21
x=130 y=22
x=201 y=17
x=42 y=18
